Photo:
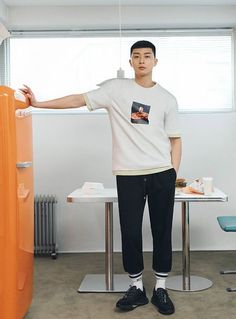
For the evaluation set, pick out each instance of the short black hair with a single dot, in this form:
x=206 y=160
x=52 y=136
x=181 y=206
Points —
x=143 y=44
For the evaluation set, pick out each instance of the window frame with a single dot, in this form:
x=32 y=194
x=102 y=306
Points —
x=5 y=60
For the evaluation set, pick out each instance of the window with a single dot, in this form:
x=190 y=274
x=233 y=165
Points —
x=194 y=65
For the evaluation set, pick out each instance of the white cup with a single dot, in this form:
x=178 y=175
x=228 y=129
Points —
x=207 y=185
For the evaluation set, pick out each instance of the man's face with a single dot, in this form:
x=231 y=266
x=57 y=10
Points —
x=143 y=61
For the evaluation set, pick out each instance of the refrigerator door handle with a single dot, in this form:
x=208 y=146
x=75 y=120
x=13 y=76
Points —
x=23 y=164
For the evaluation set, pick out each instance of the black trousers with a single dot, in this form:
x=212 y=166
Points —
x=159 y=189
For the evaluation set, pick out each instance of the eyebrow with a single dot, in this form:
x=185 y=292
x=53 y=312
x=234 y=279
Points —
x=144 y=53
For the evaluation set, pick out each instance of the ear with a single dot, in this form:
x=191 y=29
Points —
x=130 y=62
x=155 y=62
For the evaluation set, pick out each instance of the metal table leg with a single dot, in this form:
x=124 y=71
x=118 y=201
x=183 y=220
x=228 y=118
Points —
x=109 y=246
x=185 y=246
x=108 y=282
x=186 y=282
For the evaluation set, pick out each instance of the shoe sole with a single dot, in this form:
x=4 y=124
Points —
x=163 y=312
x=129 y=308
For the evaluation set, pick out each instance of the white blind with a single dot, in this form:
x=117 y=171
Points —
x=194 y=65
x=4 y=63
x=4 y=34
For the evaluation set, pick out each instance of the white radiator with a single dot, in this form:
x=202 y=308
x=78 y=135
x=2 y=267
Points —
x=45 y=226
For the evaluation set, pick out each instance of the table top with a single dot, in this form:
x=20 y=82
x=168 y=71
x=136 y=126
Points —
x=109 y=195
x=216 y=196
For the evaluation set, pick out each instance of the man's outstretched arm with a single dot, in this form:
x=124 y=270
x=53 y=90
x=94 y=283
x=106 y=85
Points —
x=69 y=101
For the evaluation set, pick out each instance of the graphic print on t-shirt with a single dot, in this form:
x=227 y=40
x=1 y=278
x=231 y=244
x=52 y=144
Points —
x=139 y=113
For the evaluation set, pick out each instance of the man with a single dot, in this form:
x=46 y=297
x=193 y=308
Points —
x=146 y=157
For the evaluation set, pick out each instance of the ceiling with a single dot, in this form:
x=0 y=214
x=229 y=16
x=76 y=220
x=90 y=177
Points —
x=115 y=2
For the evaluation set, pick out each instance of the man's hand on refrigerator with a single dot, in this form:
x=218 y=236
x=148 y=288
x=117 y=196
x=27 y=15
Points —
x=29 y=94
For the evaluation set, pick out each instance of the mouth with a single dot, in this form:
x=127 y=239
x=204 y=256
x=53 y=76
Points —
x=142 y=68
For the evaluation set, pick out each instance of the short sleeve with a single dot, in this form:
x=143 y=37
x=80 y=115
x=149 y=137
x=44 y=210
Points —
x=172 y=126
x=99 y=98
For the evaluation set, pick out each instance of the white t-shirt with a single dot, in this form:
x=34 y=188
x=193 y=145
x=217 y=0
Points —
x=142 y=120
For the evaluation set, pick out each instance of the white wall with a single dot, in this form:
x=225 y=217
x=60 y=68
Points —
x=72 y=149
x=69 y=150
x=24 y=18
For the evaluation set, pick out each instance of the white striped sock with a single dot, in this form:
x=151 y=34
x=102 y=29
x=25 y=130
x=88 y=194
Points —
x=160 y=280
x=137 y=280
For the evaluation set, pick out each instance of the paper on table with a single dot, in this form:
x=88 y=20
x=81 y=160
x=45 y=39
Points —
x=92 y=188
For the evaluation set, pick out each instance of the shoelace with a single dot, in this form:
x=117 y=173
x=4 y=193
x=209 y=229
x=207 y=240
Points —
x=130 y=292
x=162 y=295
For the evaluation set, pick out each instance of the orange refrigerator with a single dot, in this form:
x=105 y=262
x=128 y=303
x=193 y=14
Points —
x=16 y=205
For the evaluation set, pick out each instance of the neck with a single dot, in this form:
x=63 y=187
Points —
x=145 y=81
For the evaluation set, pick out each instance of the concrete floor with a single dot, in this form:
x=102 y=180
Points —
x=56 y=283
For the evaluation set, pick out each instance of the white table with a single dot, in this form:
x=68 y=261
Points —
x=109 y=282
x=119 y=283
x=186 y=282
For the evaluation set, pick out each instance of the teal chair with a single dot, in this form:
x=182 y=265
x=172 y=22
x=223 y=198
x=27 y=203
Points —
x=228 y=224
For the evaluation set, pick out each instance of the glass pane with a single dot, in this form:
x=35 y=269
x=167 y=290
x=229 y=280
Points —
x=198 y=71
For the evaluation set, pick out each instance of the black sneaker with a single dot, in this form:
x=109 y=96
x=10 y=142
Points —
x=132 y=299
x=162 y=301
